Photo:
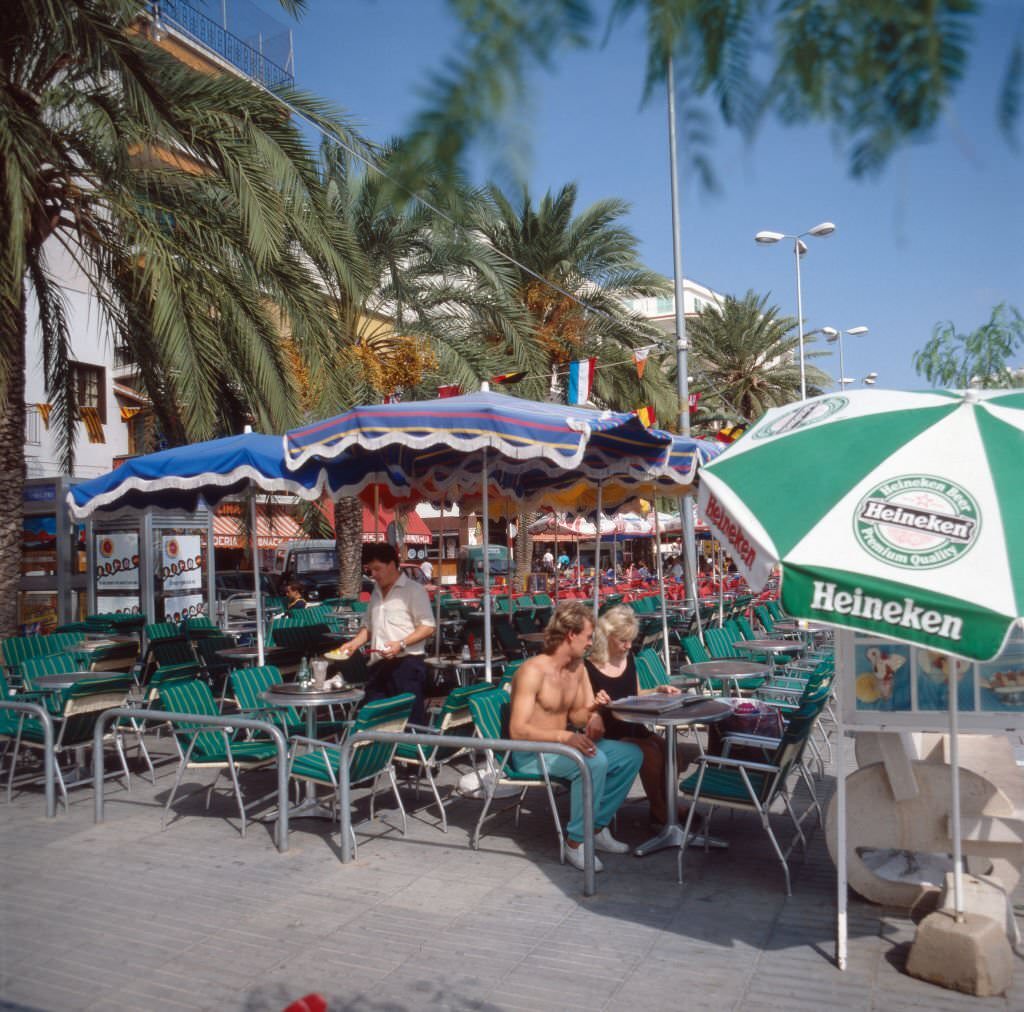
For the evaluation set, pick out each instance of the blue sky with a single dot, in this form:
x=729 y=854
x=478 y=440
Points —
x=938 y=236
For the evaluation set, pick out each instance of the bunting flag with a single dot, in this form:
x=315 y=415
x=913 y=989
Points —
x=646 y=415
x=449 y=390
x=640 y=359
x=693 y=402
x=508 y=377
x=44 y=413
x=127 y=414
x=581 y=378
x=93 y=425
x=730 y=433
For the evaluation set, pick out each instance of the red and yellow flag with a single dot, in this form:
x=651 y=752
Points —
x=646 y=415
x=93 y=425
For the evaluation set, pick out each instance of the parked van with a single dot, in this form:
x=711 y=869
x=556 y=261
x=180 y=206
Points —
x=313 y=564
x=471 y=563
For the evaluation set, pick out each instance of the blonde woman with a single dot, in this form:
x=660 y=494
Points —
x=612 y=672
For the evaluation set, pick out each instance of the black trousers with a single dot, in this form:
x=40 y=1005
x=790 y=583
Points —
x=390 y=677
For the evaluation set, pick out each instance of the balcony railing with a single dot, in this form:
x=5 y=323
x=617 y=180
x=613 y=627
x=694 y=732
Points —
x=250 y=60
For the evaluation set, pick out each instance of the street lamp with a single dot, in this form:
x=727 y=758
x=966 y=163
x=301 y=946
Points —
x=832 y=335
x=799 y=248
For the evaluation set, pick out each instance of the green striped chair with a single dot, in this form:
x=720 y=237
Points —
x=206 y=747
x=775 y=609
x=452 y=717
x=720 y=644
x=695 y=650
x=17 y=649
x=764 y=616
x=161 y=631
x=754 y=787
x=490 y=710
x=74 y=725
x=650 y=671
x=55 y=664
x=249 y=684
x=370 y=760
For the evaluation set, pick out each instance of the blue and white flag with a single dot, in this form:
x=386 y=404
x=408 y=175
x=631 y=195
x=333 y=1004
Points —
x=581 y=379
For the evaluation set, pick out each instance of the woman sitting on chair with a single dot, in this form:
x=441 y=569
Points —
x=612 y=672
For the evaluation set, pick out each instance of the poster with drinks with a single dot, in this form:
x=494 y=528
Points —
x=117 y=561
x=181 y=561
x=177 y=609
x=119 y=604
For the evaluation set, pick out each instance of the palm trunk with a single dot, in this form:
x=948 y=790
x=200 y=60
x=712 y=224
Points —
x=12 y=464
x=348 y=532
x=524 y=550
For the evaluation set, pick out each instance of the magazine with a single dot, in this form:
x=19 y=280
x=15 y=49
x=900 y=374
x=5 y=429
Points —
x=652 y=702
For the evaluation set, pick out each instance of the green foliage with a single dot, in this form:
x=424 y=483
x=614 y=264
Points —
x=572 y=273
x=187 y=203
x=982 y=358
x=880 y=71
x=745 y=358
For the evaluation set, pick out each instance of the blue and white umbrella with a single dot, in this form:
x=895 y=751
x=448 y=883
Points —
x=184 y=477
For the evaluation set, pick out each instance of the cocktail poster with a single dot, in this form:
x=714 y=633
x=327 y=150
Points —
x=182 y=561
x=117 y=561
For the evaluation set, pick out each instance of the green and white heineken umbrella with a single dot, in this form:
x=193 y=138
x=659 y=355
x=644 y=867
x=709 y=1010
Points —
x=895 y=513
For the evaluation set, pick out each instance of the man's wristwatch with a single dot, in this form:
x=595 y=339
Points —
x=401 y=644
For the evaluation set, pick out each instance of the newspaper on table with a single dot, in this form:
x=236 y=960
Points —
x=653 y=702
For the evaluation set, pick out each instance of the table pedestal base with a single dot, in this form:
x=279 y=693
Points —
x=672 y=836
x=310 y=808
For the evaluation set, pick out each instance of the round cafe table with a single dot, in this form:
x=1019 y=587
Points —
x=775 y=647
x=292 y=694
x=727 y=669
x=247 y=656
x=691 y=710
x=69 y=678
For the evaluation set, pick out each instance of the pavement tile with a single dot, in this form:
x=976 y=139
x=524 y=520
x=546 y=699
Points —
x=424 y=921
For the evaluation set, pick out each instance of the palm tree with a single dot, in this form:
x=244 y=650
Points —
x=574 y=273
x=428 y=307
x=190 y=205
x=745 y=358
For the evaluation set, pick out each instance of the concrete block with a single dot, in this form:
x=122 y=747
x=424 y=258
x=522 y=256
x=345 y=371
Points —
x=972 y=955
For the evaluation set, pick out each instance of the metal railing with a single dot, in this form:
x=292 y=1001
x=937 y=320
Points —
x=219 y=40
x=220 y=721
x=476 y=744
x=48 y=760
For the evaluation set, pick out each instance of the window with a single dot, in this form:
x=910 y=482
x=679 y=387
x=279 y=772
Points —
x=32 y=426
x=91 y=387
x=665 y=304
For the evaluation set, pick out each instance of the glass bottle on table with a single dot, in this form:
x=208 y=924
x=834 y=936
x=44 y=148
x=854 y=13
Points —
x=305 y=676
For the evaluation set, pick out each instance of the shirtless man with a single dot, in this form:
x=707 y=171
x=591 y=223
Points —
x=551 y=698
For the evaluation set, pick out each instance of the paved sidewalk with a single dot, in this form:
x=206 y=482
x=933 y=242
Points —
x=124 y=916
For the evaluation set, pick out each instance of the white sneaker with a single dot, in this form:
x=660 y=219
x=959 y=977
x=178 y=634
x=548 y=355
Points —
x=605 y=842
x=574 y=855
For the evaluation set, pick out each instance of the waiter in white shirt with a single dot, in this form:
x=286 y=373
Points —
x=397 y=624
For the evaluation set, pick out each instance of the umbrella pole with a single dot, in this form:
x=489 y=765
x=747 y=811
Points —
x=437 y=591
x=256 y=577
x=487 y=578
x=721 y=586
x=954 y=764
x=556 y=559
x=690 y=561
x=840 y=772
x=661 y=587
x=597 y=556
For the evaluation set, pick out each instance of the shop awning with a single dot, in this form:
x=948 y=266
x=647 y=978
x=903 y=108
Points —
x=416 y=531
x=271 y=529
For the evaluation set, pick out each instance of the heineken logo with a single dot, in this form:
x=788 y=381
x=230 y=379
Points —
x=917 y=522
x=904 y=612
x=730 y=532
x=801 y=416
